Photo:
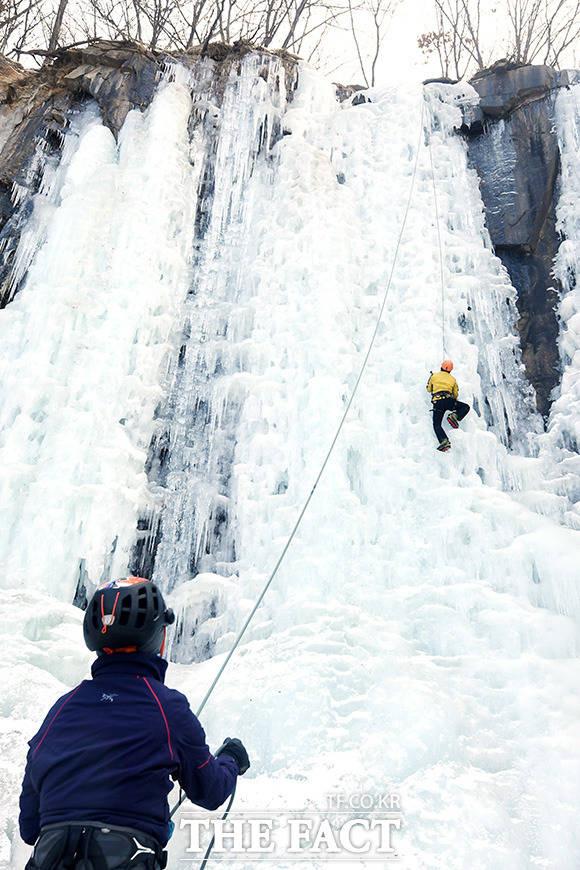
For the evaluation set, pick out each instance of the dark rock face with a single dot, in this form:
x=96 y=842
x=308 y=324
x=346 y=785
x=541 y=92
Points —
x=538 y=325
x=515 y=152
x=505 y=86
x=36 y=136
x=119 y=76
x=518 y=161
x=36 y=105
x=345 y=92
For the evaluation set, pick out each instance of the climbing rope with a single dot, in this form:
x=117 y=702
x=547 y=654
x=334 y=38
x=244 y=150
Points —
x=440 y=248
x=212 y=841
x=328 y=455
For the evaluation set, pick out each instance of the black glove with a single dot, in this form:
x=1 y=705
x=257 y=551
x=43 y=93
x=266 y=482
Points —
x=233 y=746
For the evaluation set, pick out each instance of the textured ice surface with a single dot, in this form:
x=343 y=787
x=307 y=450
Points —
x=196 y=428
x=422 y=635
x=83 y=342
x=563 y=438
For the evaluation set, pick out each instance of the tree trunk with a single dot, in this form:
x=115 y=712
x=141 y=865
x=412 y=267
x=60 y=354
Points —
x=55 y=33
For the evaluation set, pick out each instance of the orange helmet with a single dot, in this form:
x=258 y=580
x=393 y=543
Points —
x=446 y=365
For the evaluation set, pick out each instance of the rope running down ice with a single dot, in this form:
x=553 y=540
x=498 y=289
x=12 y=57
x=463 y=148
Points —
x=440 y=248
x=331 y=448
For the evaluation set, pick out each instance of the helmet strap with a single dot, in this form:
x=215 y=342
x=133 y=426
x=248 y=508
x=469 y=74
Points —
x=108 y=619
x=122 y=649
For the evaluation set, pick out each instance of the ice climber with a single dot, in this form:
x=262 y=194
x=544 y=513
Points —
x=444 y=391
x=99 y=770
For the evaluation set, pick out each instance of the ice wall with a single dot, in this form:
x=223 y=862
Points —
x=423 y=632
x=563 y=437
x=109 y=247
x=178 y=358
x=195 y=436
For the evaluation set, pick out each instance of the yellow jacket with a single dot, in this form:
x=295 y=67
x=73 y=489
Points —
x=443 y=382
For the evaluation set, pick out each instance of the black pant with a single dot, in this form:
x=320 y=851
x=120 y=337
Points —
x=439 y=409
x=95 y=846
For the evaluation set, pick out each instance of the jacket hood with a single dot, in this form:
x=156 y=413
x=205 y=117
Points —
x=131 y=663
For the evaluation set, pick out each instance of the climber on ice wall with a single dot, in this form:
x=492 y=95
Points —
x=444 y=391
x=98 y=771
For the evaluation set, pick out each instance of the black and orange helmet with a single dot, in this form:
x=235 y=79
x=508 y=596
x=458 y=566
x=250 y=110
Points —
x=127 y=615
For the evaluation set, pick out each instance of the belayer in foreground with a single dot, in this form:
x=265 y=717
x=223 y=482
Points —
x=98 y=772
x=444 y=391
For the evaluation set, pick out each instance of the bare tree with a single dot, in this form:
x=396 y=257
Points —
x=275 y=14
x=380 y=10
x=539 y=30
x=299 y=26
x=542 y=29
x=156 y=15
x=319 y=21
x=57 y=26
x=457 y=38
x=117 y=19
x=522 y=15
x=21 y=24
x=380 y=13
x=185 y=25
x=356 y=40
x=435 y=41
x=472 y=15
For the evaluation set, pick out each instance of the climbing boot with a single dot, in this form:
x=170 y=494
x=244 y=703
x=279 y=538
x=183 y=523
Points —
x=452 y=420
x=445 y=445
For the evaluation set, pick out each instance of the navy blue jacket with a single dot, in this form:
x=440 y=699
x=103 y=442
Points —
x=106 y=752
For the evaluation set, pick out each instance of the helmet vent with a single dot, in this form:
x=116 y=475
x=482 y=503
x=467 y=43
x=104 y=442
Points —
x=125 y=610
x=142 y=607
x=140 y=620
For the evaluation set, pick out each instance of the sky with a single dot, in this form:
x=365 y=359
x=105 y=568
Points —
x=400 y=57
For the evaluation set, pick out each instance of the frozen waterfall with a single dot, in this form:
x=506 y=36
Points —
x=192 y=305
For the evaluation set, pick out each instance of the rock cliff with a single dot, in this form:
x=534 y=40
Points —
x=513 y=145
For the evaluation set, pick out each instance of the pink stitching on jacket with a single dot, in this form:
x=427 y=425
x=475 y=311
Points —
x=163 y=714
x=54 y=717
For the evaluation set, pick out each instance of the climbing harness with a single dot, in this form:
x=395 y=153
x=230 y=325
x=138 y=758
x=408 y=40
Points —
x=440 y=247
x=320 y=473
